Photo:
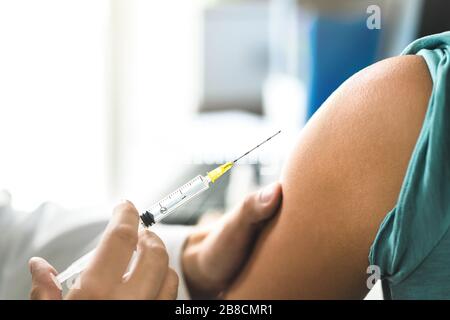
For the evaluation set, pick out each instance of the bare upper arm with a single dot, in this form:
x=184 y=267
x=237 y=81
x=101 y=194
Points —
x=342 y=178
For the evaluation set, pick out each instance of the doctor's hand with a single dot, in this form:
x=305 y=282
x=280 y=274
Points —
x=106 y=277
x=214 y=256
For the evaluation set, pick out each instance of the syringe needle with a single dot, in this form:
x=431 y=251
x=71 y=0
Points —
x=259 y=145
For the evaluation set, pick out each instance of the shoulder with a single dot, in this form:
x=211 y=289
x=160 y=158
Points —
x=346 y=171
x=382 y=105
x=367 y=128
x=394 y=83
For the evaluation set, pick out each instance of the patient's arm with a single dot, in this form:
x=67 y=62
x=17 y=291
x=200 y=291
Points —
x=342 y=178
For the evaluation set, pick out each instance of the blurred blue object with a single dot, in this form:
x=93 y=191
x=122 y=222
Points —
x=340 y=47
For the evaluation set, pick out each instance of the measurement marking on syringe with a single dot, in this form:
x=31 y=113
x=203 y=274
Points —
x=162 y=209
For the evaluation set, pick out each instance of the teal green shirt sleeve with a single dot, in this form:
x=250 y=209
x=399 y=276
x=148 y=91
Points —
x=421 y=217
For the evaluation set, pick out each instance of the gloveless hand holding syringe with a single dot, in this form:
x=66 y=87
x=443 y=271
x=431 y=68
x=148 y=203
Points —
x=165 y=207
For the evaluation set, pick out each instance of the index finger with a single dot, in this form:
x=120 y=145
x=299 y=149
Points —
x=118 y=243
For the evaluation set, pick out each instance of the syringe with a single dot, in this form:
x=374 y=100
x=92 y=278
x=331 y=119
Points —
x=165 y=207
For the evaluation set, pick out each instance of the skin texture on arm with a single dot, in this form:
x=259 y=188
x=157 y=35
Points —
x=342 y=178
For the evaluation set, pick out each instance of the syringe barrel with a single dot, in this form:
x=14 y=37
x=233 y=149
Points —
x=174 y=200
x=155 y=213
x=76 y=267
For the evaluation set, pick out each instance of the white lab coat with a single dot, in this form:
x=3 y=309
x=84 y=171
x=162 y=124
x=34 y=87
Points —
x=60 y=236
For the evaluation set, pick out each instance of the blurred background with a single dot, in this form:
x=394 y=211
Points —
x=109 y=99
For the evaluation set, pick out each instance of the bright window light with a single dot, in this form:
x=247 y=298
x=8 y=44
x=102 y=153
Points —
x=53 y=101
